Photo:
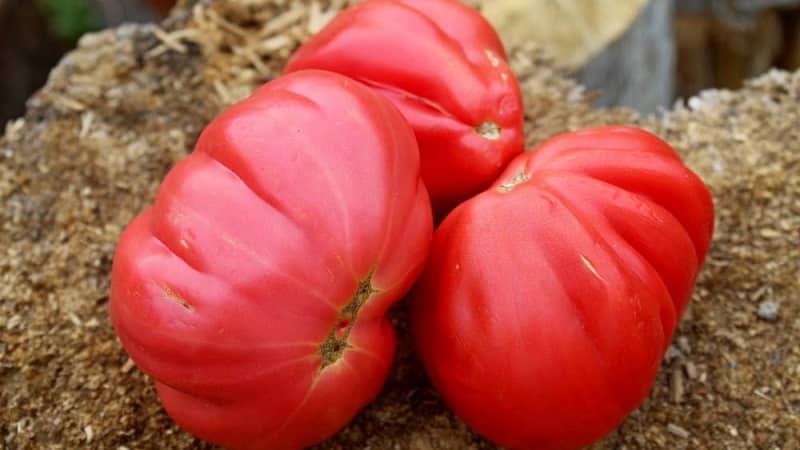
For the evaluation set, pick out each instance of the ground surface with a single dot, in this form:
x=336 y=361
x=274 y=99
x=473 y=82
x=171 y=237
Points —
x=118 y=112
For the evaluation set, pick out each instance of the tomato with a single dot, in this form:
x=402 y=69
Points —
x=445 y=68
x=255 y=289
x=549 y=299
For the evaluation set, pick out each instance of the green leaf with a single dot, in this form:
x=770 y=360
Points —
x=69 y=19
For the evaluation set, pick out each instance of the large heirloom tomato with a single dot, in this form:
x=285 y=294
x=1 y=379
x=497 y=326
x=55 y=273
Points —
x=549 y=299
x=255 y=290
x=445 y=68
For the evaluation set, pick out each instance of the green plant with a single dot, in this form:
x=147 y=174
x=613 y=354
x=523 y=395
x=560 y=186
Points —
x=69 y=19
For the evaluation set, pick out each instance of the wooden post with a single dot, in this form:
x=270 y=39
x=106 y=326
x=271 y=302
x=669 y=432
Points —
x=623 y=49
x=638 y=68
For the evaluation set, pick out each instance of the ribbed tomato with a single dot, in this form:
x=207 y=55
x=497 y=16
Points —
x=444 y=67
x=255 y=289
x=550 y=299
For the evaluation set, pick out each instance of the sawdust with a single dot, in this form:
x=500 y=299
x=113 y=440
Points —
x=129 y=103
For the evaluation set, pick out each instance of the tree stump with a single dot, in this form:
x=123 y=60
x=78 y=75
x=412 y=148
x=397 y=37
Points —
x=638 y=68
x=724 y=42
x=623 y=49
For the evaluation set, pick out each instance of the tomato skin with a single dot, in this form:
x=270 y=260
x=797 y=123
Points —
x=549 y=300
x=228 y=288
x=445 y=68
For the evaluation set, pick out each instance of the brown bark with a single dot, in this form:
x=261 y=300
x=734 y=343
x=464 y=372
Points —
x=27 y=52
x=162 y=6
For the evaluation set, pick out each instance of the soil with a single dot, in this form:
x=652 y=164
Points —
x=119 y=111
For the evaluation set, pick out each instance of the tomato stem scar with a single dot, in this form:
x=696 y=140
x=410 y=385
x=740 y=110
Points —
x=489 y=130
x=519 y=178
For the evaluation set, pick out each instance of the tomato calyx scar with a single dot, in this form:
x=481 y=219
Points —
x=517 y=179
x=489 y=130
x=335 y=343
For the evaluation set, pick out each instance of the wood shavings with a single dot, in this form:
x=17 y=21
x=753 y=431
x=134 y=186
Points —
x=75 y=319
x=251 y=56
x=318 y=18
x=86 y=124
x=14 y=128
x=691 y=370
x=69 y=103
x=285 y=20
x=274 y=43
x=128 y=366
x=223 y=92
x=678 y=431
x=169 y=40
x=768 y=311
x=676 y=384
x=227 y=26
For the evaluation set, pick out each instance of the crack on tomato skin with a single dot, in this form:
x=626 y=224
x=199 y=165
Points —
x=489 y=130
x=590 y=266
x=517 y=179
x=177 y=298
x=333 y=347
x=494 y=60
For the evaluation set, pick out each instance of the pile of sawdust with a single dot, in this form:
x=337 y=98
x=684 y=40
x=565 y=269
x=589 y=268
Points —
x=128 y=103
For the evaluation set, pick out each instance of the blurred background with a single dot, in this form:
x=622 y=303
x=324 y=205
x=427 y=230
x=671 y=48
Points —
x=639 y=53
